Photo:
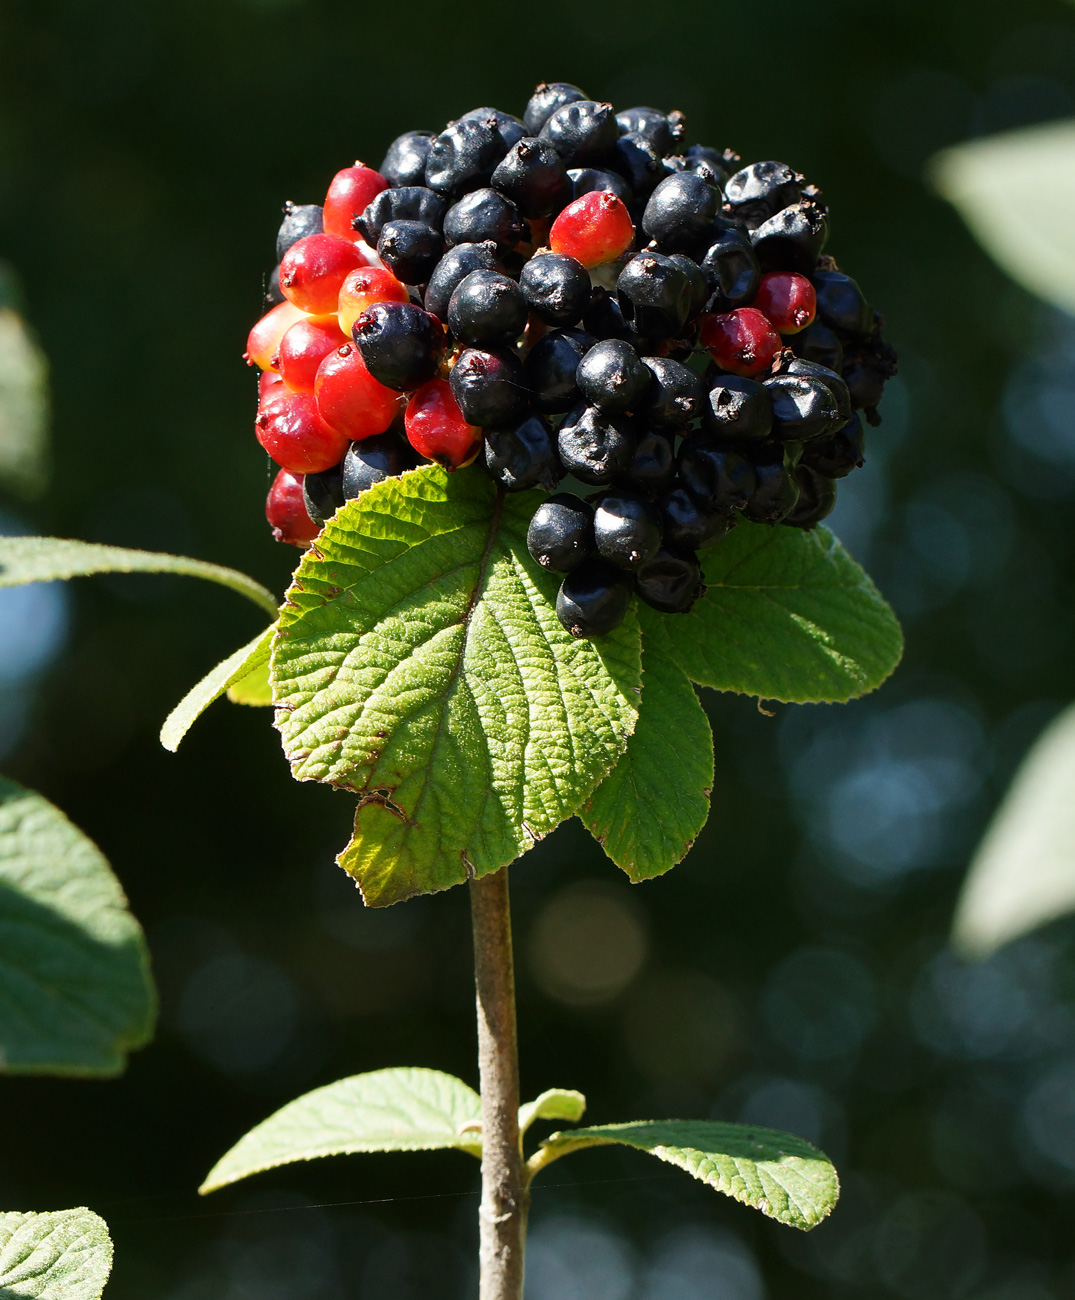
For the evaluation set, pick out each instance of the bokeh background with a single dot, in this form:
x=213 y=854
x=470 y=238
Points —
x=794 y=970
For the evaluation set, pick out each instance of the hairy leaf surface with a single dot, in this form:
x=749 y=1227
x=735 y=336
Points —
x=420 y=663
x=75 y=989
x=554 y=1103
x=788 y=615
x=61 y=1255
x=386 y=1110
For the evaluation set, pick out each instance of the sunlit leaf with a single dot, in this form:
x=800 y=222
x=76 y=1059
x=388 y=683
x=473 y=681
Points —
x=59 y=1255
x=555 y=1103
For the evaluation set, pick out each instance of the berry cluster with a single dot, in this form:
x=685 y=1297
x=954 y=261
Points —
x=573 y=293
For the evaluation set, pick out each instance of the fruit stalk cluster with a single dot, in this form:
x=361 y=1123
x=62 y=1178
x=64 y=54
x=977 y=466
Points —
x=582 y=303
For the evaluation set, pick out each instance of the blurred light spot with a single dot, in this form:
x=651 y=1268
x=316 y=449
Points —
x=682 y=1028
x=930 y=1244
x=569 y=1259
x=698 y=1263
x=414 y=1266
x=238 y=1012
x=820 y=1004
x=788 y=1105
x=1047 y=1117
x=587 y=945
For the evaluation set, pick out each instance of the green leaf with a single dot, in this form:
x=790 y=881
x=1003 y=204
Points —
x=75 y=990
x=237 y=670
x=254 y=689
x=45 y=559
x=59 y=1255
x=387 y=1110
x=648 y=811
x=555 y=1103
x=1023 y=874
x=420 y=663
x=23 y=407
x=788 y=616
x=781 y=1175
x=988 y=180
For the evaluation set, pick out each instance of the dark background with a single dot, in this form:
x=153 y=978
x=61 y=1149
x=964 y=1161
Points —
x=793 y=970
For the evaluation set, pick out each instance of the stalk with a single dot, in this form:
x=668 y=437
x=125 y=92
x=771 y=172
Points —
x=505 y=1198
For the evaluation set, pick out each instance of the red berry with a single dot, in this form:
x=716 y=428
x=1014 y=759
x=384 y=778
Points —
x=349 y=399
x=788 y=299
x=593 y=229
x=263 y=341
x=285 y=510
x=741 y=342
x=364 y=287
x=271 y=387
x=312 y=272
x=302 y=349
x=348 y=195
x=436 y=428
x=296 y=437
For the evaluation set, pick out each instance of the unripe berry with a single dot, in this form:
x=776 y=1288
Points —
x=787 y=299
x=593 y=229
x=741 y=342
x=263 y=341
x=304 y=347
x=350 y=400
x=348 y=196
x=436 y=427
x=296 y=437
x=285 y=509
x=313 y=271
x=364 y=287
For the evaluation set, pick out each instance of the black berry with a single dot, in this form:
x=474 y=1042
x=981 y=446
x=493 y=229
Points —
x=739 y=409
x=405 y=161
x=627 y=530
x=523 y=455
x=654 y=295
x=556 y=288
x=775 y=488
x=407 y=203
x=688 y=525
x=548 y=96
x=464 y=156
x=818 y=343
x=840 y=303
x=410 y=250
x=662 y=131
x=674 y=398
x=759 y=191
x=792 y=240
x=611 y=377
x=593 y=599
x=717 y=477
x=595 y=447
x=731 y=268
x=671 y=581
x=300 y=220
x=638 y=162
x=836 y=455
x=400 y=344
x=585 y=180
x=487 y=309
x=484 y=215
x=817 y=498
x=560 y=536
x=680 y=211
x=582 y=132
x=803 y=407
x=323 y=494
x=652 y=466
x=456 y=264
x=489 y=387
x=533 y=176
x=551 y=369
x=510 y=127
x=367 y=462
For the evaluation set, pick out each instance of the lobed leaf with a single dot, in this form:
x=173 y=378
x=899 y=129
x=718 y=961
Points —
x=244 y=671
x=554 y=1103
x=781 y=1175
x=1023 y=873
x=75 y=990
x=59 y=1255
x=46 y=559
x=419 y=662
x=650 y=808
x=788 y=615
x=386 y=1110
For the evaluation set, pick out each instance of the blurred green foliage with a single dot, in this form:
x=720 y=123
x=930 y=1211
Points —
x=793 y=971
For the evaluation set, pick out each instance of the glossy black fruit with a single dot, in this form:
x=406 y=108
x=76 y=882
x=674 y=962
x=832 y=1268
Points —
x=548 y=96
x=840 y=303
x=832 y=381
x=452 y=269
x=739 y=409
x=510 y=127
x=611 y=377
x=638 y=162
x=718 y=478
x=405 y=161
x=400 y=344
x=836 y=455
x=489 y=387
x=708 y=163
x=818 y=343
x=484 y=215
x=792 y=240
x=817 y=498
x=652 y=466
x=523 y=455
x=690 y=526
x=373 y=459
x=674 y=398
x=584 y=180
x=551 y=369
x=272 y=291
x=407 y=203
x=731 y=268
x=627 y=530
x=759 y=191
x=671 y=581
x=534 y=177
x=560 y=536
x=604 y=319
x=803 y=407
x=300 y=220
x=775 y=488
x=654 y=295
x=323 y=494
x=662 y=130
x=410 y=250
x=699 y=285
x=556 y=288
x=464 y=156
x=582 y=132
x=487 y=309
x=595 y=447
x=593 y=599
x=680 y=211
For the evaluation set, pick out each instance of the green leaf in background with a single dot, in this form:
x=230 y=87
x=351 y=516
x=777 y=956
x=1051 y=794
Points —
x=46 y=559
x=419 y=662
x=648 y=811
x=989 y=180
x=781 y=1175
x=240 y=671
x=1023 y=874
x=556 y=1103
x=75 y=990
x=23 y=404
x=387 y=1110
x=58 y=1255
x=788 y=615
